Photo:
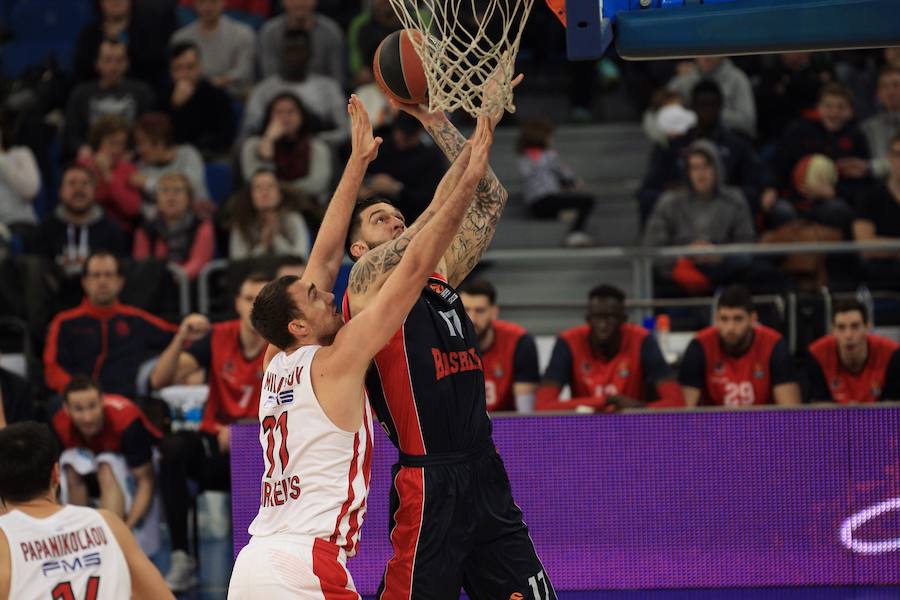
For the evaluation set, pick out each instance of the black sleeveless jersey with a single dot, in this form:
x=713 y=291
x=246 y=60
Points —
x=426 y=386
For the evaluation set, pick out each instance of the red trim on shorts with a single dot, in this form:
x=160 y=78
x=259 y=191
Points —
x=398 y=575
x=332 y=574
x=350 y=546
x=351 y=493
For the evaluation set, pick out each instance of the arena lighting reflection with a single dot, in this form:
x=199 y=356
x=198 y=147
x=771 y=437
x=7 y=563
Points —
x=863 y=517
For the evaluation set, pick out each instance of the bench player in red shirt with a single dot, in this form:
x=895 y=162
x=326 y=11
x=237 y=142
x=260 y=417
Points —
x=231 y=353
x=107 y=444
x=607 y=363
x=508 y=352
x=851 y=364
x=738 y=362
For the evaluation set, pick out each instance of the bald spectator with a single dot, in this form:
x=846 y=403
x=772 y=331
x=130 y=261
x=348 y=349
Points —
x=327 y=39
x=227 y=47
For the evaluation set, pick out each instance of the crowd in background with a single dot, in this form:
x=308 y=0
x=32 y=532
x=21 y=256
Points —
x=107 y=176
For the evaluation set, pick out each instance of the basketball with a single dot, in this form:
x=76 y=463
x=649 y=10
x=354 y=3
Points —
x=398 y=68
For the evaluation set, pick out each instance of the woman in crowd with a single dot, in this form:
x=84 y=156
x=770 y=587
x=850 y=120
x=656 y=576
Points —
x=288 y=147
x=176 y=233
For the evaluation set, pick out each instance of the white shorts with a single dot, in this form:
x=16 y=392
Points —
x=291 y=568
x=84 y=462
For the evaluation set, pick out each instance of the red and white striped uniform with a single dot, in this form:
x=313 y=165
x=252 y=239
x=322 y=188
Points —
x=313 y=491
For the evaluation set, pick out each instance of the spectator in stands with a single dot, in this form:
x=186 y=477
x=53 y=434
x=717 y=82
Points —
x=737 y=361
x=834 y=134
x=741 y=165
x=78 y=226
x=815 y=193
x=289 y=147
x=144 y=26
x=107 y=444
x=738 y=106
x=787 y=90
x=154 y=140
x=20 y=181
x=265 y=221
x=705 y=214
x=290 y=265
x=102 y=338
x=366 y=31
x=176 y=234
x=851 y=364
x=327 y=38
x=508 y=352
x=232 y=354
x=667 y=117
x=607 y=363
x=878 y=218
x=407 y=169
x=226 y=47
x=322 y=95
x=882 y=127
x=110 y=94
x=550 y=187
x=113 y=170
x=257 y=8
x=201 y=113
x=15 y=399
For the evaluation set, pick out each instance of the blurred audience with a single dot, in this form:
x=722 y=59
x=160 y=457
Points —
x=814 y=192
x=788 y=88
x=201 y=113
x=112 y=169
x=408 y=167
x=20 y=182
x=154 y=140
x=878 y=219
x=322 y=95
x=290 y=265
x=607 y=363
x=289 y=147
x=366 y=31
x=880 y=128
x=111 y=93
x=549 y=186
x=738 y=106
x=329 y=49
x=225 y=46
x=15 y=399
x=265 y=221
x=176 y=234
x=705 y=214
x=102 y=338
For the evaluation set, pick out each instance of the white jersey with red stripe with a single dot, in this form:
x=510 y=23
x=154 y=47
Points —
x=70 y=554
x=316 y=476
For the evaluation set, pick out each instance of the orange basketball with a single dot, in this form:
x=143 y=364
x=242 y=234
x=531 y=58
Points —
x=398 y=68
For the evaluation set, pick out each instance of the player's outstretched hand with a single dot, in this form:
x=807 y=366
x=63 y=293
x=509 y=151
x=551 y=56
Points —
x=420 y=112
x=364 y=145
x=481 y=142
x=193 y=327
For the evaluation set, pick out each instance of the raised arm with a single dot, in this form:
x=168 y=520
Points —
x=328 y=249
x=372 y=270
x=366 y=334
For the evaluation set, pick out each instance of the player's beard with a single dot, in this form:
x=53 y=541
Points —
x=740 y=345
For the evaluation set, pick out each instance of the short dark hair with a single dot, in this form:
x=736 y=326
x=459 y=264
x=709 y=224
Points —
x=835 y=88
x=79 y=383
x=894 y=139
x=707 y=86
x=735 y=296
x=480 y=287
x=256 y=277
x=111 y=41
x=106 y=126
x=604 y=291
x=28 y=451
x=356 y=219
x=850 y=305
x=179 y=48
x=157 y=126
x=534 y=133
x=103 y=254
x=888 y=70
x=273 y=310
x=74 y=166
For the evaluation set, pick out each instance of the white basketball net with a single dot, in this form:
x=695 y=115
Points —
x=468 y=50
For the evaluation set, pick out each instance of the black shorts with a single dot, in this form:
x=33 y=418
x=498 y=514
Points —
x=455 y=525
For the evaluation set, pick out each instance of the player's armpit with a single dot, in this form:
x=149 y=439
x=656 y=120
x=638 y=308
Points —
x=787 y=394
x=146 y=582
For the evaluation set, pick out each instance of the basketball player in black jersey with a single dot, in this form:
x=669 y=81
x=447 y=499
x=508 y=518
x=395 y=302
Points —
x=454 y=523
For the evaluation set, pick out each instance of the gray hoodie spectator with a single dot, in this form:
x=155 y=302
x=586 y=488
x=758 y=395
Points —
x=880 y=128
x=739 y=106
x=706 y=213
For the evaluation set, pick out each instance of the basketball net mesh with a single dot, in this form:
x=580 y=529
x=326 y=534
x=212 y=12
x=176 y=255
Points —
x=468 y=50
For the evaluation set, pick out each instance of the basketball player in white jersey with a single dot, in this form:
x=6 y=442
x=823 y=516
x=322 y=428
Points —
x=53 y=552
x=315 y=422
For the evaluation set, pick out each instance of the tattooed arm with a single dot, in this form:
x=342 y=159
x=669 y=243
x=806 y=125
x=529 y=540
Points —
x=371 y=271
